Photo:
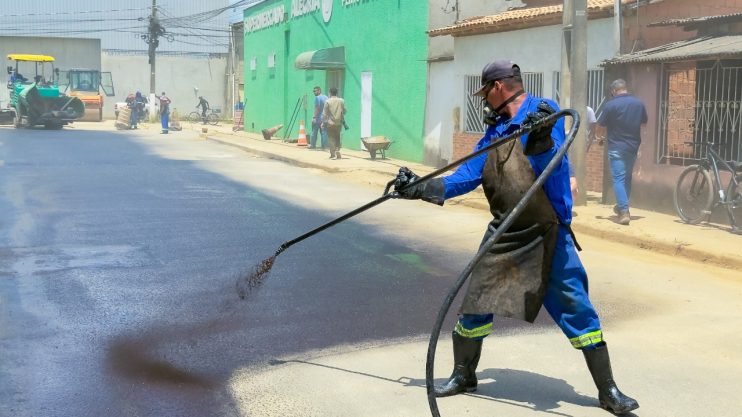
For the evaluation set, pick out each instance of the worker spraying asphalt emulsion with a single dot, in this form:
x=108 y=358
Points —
x=528 y=256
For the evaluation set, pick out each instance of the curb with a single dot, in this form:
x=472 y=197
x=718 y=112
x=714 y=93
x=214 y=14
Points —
x=658 y=246
x=476 y=200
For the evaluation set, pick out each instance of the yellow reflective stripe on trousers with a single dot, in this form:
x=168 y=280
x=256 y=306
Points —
x=472 y=333
x=587 y=339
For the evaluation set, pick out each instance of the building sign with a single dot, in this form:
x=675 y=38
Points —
x=302 y=7
x=265 y=19
x=326 y=10
x=299 y=8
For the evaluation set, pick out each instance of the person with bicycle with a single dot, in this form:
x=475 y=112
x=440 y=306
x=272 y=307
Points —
x=536 y=262
x=204 y=106
x=622 y=118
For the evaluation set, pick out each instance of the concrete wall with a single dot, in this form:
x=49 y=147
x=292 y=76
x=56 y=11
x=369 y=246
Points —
x=178 y=76
x=440 y=120
x=68 y=53
x=439 y=116
x=535 y=49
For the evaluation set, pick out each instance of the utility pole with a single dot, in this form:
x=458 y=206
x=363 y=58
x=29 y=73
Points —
x=617 y=27
x=573 y=88
x=578 y=94
x=152 y=38
x=564 y=82
x=154 y=42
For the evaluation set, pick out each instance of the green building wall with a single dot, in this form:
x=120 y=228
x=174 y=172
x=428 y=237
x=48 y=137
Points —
x=386 y=38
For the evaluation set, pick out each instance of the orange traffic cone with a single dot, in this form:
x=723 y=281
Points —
x=302 y=135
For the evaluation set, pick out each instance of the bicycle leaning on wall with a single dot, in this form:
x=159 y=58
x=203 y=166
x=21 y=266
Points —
x=700 y=189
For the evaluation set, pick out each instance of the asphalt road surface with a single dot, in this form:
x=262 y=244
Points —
x=120 y=251
x=119 y=268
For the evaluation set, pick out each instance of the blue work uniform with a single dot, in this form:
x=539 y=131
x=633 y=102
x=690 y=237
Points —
x=566 y=298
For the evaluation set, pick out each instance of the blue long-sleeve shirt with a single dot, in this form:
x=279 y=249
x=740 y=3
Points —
x=469 y=175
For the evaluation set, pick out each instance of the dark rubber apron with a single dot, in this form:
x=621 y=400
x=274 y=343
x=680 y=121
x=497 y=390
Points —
x=511 y=279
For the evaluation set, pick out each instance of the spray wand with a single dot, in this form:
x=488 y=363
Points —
x=248 y=283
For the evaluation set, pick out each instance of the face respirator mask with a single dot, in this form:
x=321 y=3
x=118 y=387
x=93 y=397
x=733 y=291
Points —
x=490 y=116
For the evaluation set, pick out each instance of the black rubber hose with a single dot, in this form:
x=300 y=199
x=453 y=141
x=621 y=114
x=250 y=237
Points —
x=512 y=215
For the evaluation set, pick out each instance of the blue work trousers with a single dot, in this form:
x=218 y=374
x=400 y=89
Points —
x=566 y=300
x=165 y=119
x=622 y=165
x=134 y=117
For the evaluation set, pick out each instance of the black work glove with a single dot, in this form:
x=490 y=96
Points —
x=539 y=140
x=407 y=186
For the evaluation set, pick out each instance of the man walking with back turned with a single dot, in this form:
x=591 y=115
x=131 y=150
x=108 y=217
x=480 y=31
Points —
x=622 y=117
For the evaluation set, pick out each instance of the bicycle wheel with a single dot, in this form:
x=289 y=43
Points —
x=194 y=117
x=734 y=196
x=212 y=119
x=694 y=194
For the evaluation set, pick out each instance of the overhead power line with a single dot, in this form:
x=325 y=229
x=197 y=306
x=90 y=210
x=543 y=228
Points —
x=75 y=12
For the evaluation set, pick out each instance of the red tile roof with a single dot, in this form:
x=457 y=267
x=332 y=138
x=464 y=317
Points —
x=522 y=18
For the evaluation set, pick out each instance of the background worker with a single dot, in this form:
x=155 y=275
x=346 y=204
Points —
x=333 y=117
x=319 y=105
x=137 y=108
x=164 y=112
x=622 y=117
x=535 y=262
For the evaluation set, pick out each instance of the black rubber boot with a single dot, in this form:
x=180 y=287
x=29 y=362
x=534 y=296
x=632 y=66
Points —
x=611 y=399
x=466 y=354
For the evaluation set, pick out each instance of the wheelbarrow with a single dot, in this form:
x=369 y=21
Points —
x=376 y=144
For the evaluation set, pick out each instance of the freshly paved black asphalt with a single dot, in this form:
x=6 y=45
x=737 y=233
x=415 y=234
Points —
x=117 y=280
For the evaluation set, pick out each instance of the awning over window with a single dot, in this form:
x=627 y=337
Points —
x=329 y=58
x=706 y=47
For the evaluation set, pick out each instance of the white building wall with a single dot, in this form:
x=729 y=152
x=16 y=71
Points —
x=439 y=117
x=439 y=120
x=183 y=78
x=534 y=50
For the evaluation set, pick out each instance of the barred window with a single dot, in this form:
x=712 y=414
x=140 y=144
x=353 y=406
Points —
x=533 y=83
x=700 y=102
x=595 y=88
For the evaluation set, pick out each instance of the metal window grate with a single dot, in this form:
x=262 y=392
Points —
x=533 y=83
x=473 y=105
x=595 y=88
x=700 y=102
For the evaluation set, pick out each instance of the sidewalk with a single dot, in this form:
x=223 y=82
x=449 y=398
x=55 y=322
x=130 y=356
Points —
x=658 y=232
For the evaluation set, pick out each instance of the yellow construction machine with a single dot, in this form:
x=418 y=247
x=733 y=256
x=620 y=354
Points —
x=87 y=84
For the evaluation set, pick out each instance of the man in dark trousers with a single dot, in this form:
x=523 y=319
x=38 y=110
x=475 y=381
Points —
x=622 y=117
x=535 y=262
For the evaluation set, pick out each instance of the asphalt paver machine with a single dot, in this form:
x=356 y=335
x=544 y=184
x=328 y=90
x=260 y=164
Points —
x=35 y=98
